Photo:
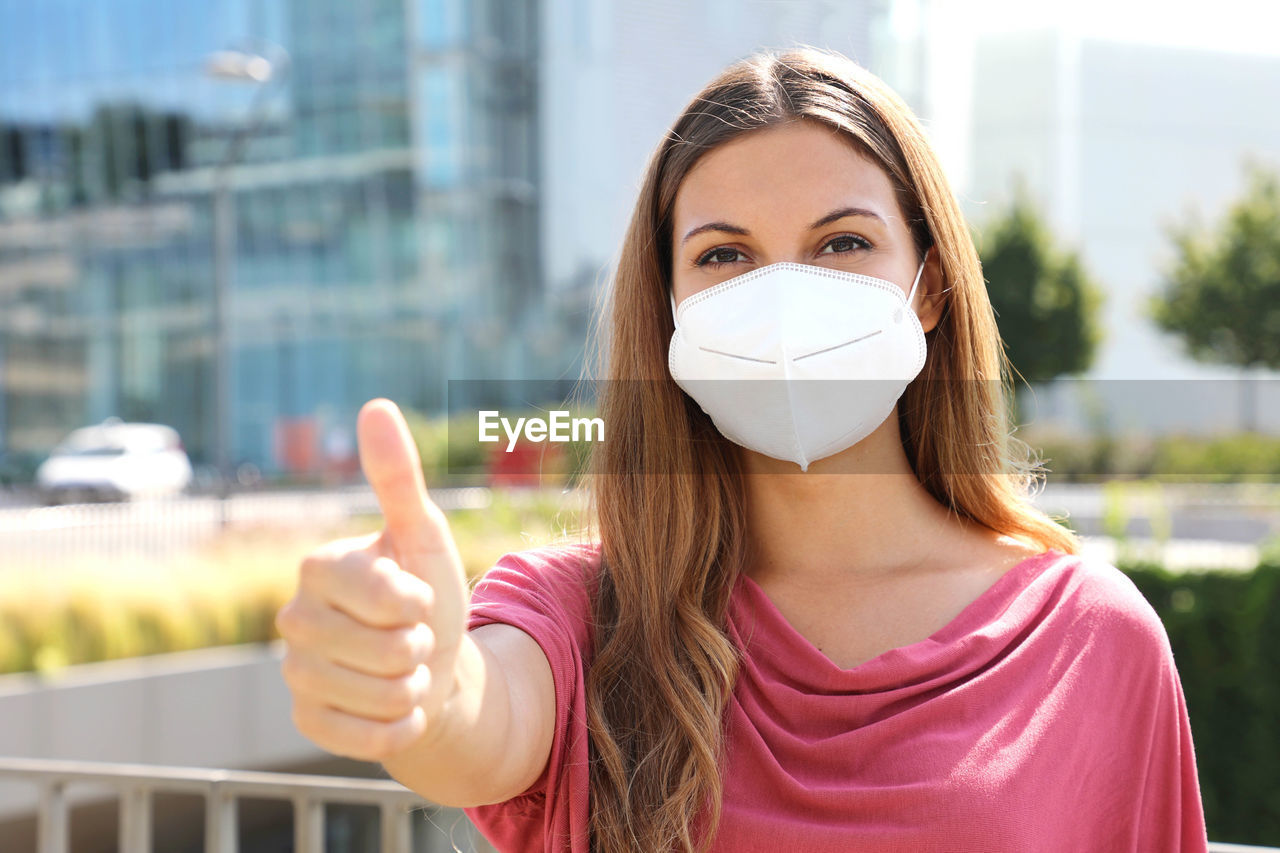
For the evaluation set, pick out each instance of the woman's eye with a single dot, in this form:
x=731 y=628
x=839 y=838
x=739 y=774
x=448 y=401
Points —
x=722 y=253
x=849 y=242
x=842 y=245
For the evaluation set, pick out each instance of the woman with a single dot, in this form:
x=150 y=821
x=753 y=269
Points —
x=821 y=614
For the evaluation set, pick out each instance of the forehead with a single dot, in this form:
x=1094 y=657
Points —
x=784 y=171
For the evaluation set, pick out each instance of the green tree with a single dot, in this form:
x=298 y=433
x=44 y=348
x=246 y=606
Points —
x=1221 y=295
x=1046 y=305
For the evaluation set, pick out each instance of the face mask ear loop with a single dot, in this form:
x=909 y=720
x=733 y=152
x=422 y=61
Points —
x=912 y=292
x=673 y=308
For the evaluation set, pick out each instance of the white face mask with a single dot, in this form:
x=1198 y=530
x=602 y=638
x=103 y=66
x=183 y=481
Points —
x=791 y=322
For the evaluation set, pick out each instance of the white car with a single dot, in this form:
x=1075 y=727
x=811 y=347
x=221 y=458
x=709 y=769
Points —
x=115 y=461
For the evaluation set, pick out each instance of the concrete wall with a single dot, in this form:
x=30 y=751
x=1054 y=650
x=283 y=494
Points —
x=225 y=707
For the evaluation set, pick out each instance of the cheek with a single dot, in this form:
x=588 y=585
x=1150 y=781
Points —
x=681 y=290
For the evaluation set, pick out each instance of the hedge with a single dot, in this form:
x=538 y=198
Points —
x=1224 y=629
x=1094 y=457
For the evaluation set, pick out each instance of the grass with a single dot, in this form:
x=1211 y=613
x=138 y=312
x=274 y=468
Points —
x=101 y=608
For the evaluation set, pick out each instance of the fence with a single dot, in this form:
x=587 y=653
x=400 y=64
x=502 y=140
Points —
x=135 y=785
x=44 y=535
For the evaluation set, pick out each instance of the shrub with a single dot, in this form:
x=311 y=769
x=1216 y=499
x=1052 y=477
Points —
x=1224 y=629
x=1246 y=457
x=225 y=594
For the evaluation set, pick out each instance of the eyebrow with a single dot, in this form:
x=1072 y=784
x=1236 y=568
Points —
x=839 y=213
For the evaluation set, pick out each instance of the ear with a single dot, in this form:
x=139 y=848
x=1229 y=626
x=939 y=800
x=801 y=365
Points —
x=932 y=296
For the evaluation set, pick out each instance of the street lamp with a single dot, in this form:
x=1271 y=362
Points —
x=257 y=68
x=238 y=65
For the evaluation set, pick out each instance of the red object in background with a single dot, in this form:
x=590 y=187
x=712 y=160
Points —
x=341 y=461
x=525 y=464
x=297 y=445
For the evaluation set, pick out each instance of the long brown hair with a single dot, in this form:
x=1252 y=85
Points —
x=667 y=489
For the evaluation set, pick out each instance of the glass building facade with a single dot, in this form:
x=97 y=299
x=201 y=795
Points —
x=385 y=196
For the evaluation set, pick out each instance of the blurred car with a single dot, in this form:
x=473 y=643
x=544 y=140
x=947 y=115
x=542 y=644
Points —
x=115 y=461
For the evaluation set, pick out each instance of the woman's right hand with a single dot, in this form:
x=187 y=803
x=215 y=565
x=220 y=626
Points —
x=373 y=631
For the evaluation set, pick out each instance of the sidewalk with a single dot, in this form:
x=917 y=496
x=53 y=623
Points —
x=1176 y=554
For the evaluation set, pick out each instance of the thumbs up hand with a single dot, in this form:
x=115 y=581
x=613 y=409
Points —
x=372 y=633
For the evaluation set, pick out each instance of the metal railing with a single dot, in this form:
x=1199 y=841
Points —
x=135 y=784
x=161 y=527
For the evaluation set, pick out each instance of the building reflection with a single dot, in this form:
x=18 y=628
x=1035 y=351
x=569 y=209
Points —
x=386 y=213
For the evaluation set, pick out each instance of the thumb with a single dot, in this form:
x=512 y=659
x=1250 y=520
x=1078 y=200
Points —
x=392 y=467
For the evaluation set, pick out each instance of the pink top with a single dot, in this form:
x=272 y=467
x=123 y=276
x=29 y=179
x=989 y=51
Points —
x=1047 y=716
